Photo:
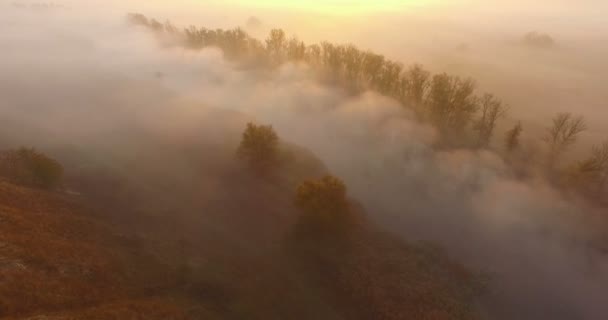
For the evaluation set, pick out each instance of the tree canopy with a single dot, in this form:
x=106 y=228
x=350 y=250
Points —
x=324 y=205
x=259 y=147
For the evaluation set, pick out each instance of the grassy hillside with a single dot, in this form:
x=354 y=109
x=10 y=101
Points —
x=57 y=258
x=187 y=244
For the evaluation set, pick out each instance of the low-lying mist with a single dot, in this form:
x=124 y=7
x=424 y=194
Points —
x=72 y=84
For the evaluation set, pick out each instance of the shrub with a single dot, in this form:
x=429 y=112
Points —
x=259 y=147
x=30 y=167
x=324 y=205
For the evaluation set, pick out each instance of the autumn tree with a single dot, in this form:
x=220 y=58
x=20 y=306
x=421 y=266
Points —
x=562 y=134
x=259 y=147
x=492 y=109
x=324 y=205
x=512 y=138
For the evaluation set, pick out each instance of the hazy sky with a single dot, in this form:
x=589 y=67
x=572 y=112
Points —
x=567 y=8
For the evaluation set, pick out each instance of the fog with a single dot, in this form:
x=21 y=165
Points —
x=472 y=38
x=80 y=78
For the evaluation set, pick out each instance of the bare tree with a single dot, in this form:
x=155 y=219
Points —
x=390 y=77
x=353 y=63
x=276 y=44
x=313 y=54
x=296 y=49
x=452 y=103
x=372 y=67
x=512 y=137
x=492 y=109
x=332 y=56
x=592 y=173
x=562 y=134
x=418 y=81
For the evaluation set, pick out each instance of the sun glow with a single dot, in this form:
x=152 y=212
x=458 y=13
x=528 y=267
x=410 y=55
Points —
x=337 y=7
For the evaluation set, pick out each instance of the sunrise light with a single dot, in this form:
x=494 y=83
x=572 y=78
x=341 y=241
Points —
x=334 y=7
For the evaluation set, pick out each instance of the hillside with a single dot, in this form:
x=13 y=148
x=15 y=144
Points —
x=60 y=260
x=77 y=255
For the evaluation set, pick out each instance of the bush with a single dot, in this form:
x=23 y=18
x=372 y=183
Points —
x=324 y=205
x=259 y=147
x=30 y=167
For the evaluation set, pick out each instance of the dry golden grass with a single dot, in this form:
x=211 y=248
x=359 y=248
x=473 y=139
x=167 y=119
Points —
x=59 y=260
x=54 y=256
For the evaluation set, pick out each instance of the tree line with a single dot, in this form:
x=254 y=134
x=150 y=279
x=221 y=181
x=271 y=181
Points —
x=449 y=102
x=462 y=116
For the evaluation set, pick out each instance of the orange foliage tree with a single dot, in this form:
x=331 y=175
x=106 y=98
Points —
x=324 y=205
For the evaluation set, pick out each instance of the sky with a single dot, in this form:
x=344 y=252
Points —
x=336 y=6
x=326 y=6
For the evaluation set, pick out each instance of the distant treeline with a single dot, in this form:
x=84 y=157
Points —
x=449 y=102
x=464 y=117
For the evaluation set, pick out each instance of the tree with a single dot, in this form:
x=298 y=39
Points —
x=389 y=78
x=276 y=44
x=491 y=110
x=353 y=63
x=372 y=67
x=32 y=168
x=592 y=173
x=332 y=57
x=259 y=147
x=417 y=82
x=452 y=103
x=562 y=134
x=512 y=137
x=313 y=54
x=324 y=205
x=235 y=43
x=296 y=50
